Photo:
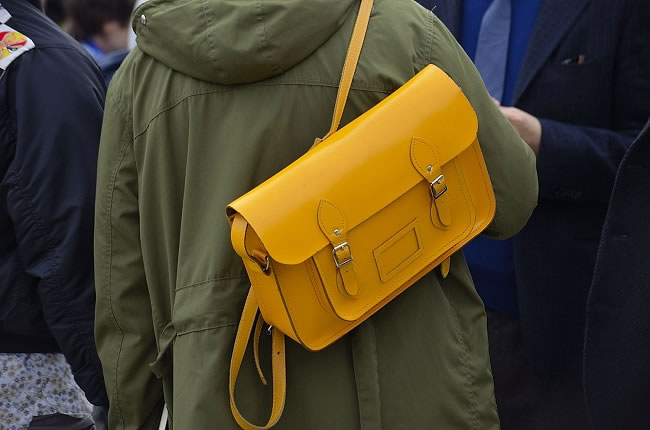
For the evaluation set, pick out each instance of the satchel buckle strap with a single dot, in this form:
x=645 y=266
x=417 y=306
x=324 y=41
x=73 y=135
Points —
x=438 y=187
x=278 y=366
x=426 y=161
x=342 y=255
x=263 y=261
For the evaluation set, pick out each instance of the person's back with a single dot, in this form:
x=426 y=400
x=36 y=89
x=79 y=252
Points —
x=217 y=98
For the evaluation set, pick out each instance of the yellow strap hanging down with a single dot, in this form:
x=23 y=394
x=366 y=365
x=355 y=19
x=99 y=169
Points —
x=250 y=308
x=278 y=365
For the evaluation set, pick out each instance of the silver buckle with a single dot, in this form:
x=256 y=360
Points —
x=338 y=263
x=438 y=180
x=266 y=268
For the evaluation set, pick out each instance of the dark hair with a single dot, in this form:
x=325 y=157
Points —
x=54 y=9
x=88 y=16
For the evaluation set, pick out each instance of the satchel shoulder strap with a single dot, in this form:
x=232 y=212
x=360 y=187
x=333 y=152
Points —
x=239 y=226
x=350 y=65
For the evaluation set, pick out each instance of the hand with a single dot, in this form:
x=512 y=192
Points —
x=528 y=126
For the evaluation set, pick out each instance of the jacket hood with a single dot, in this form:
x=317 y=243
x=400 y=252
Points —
x=236 y=41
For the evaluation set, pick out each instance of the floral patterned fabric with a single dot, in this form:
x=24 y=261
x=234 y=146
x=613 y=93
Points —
x=37 y=384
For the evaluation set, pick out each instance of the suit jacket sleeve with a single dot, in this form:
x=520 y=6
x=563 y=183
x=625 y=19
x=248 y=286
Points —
x=124 y=322
x=580 y=163
x=510 y=162
x=57 y=112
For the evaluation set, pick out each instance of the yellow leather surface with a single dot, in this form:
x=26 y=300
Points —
x=305 y=312
x=362 y=168
x=413 y=206
x=398 y=251
x=277 y=363
x=383 y=208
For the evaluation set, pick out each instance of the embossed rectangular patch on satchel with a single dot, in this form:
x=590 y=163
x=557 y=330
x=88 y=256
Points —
x=398 y=251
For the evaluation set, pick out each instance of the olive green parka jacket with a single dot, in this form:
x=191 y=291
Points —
x=218 y=96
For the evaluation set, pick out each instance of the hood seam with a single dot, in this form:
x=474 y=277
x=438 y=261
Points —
x=266 y=46
x=211 y=45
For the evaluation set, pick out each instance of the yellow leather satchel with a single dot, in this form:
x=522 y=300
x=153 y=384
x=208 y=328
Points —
x=369 y=210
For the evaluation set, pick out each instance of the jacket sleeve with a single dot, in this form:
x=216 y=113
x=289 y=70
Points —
x=580 y=163
x=124 y=324
x=57 y=112
x=510 y=162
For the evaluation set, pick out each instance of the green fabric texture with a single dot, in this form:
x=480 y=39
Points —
x=205 y=38
x=180 y=142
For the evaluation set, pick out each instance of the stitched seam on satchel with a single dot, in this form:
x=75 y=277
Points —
x=381 y=267
x=322 y=217
x=315 y=282
x=433 y=152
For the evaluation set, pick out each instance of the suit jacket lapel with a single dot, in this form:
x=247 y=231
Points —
x=554 y=19
x=449 y=12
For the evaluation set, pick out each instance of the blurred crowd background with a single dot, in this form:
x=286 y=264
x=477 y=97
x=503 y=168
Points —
x=103 y=27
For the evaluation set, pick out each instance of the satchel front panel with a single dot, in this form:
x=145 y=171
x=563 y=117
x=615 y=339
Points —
x=391 y=251
x=403 y=197
x=393 y=245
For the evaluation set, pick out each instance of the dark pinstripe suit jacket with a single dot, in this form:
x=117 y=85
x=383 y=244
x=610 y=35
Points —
x=586 y=75
x=617 y=343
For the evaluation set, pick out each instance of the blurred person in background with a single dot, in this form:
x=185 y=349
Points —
x=573 y=77
x=51 y=106
x=617 y=345
x=102 y=27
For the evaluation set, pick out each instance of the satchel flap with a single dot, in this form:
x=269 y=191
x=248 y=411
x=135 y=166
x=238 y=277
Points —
x=361 y=168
